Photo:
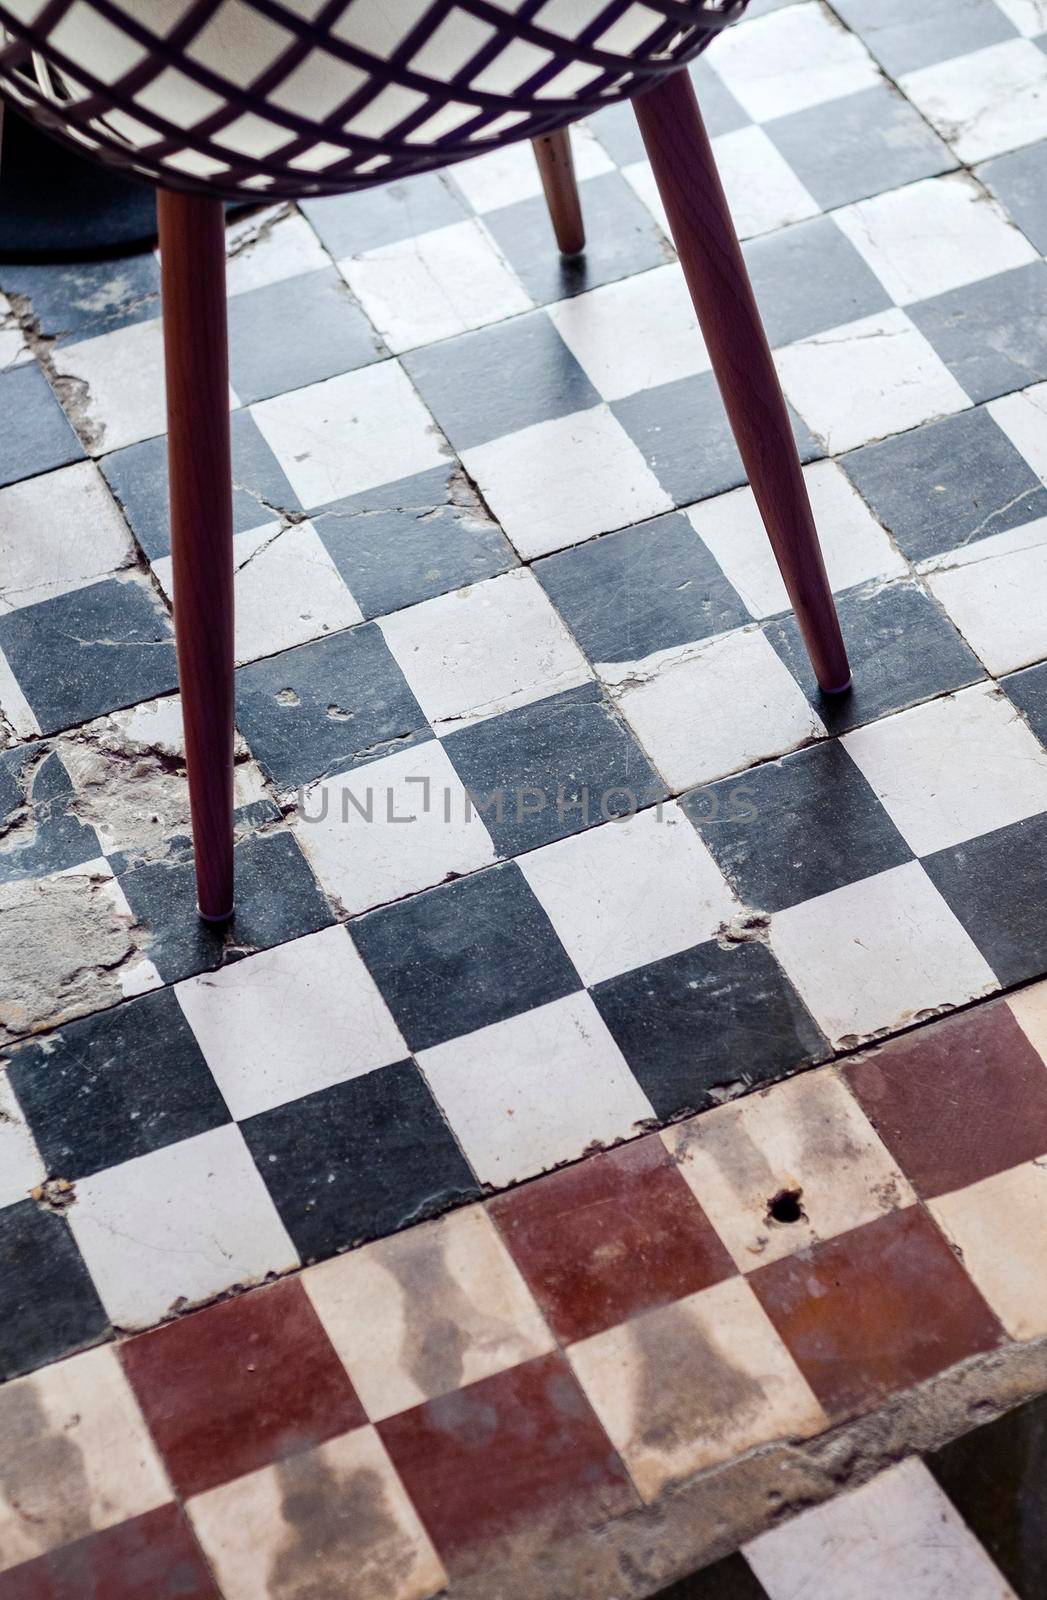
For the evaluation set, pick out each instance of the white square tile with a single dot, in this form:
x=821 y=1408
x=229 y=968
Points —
x=791 y=59
x=640 y=178
x=123 y=374
x=525 y=1094
x=483 y=650
x=1000 y=1227
x=867 y=379
x=58 y=531
x=390 y=828
x=630 y=892
x=559 y=482
x=76 y=1455
x=21 y=1167
x=179 y=1224
x=878 y=954
x=763 y=191
x=986 y=102
x=708 y=709
x=899 y=1534
x=252 y=1529
x=954 y=768
x=855 y=547
x=504 y=176
x=1028 y=16
x=1023 y=418
x=14 y=707
x=289 y=1021
x=385 y=1308
x=437 y=284
x=350 y=433
x=808 y=1135
x=996 y=593
x=933 y=236
x=287 y=589
x=634 y=334
x=267 y=247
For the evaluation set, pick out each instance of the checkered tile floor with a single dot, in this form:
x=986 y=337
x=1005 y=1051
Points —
x=493 y=542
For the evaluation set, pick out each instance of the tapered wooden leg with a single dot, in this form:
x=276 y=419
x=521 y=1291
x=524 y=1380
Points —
x=192 y=265
x=689 y=184
x=556 y=166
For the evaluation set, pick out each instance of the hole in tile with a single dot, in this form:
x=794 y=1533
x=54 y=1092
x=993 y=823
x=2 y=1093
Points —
x=338 y=713
x=785 y=1206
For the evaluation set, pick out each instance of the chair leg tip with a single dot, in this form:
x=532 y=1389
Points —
x=840 y=688
x=222 y=916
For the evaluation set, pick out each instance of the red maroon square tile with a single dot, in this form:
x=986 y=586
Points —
x=613 y=1236
x=958 y=1101
x=875 y=1310
x=152 y=1557
x=499 y=1468
x=240 y=1385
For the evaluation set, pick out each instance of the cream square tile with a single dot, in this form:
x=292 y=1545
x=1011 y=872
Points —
x=437 y=284
x=301 y=1526
x=289 y=1021
x=178 y=1226
x=1023 y=418
x=268 y=246
x=640 y=178
x=709 y=709
x=791 y=59
x=561 y=481
x=1000 y=1226
x=995 y=591
x=878 y=954
x=1028 y=16
x=933 y=236
x=350 y=433
x=20 y=1165
x=807 y=1138
x=953 y=768
x=75 y=1456
x=695 y=1383
x=58 y=531
x=634 y=334
x=484 y=649
x=539 y=1088
x=392 y=827
x=855 y=547
x=427 y=1311
x=985 y=102
x=502 y=177
x=762 y=189
x=630 y=892
x=867 y=379
x=1030 y=1008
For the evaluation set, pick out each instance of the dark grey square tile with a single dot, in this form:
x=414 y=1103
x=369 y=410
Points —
x=545 y=770
x=464 y=955
x=640 y=590
x=349 y=224
x=483 y=385
x=1019 y=181
x=683 y=433
x=137 y=476
x=326 y=706
x=992 y=335
x=796 y=828
x=707 y=1020
x=407 y=541
x=621 y=237
x=51 y=1306
x=1028 y=690
x=947 y=484
x=74 y=300
x=721 y=112
x=997 y=887
x=298 y=331
x=809 y=278
x=38 y=823
x=904 y=37
x=617 y=130
x=116 y=1085
x=37 y=435
x=81 y=654
x=359 y=1160
x=901 y=647
x=859 y=145
x=730 y=1579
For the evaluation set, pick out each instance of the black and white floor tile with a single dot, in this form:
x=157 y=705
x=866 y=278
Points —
x=544 y=831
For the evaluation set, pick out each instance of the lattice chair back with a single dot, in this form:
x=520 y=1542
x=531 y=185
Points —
x=285 y=98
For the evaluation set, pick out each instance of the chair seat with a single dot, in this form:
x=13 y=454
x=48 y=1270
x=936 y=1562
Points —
x=296 y=97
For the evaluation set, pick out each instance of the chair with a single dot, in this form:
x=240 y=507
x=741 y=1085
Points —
x=282 y=99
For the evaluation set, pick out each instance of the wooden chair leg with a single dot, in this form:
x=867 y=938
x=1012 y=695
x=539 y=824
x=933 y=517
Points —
x=192 y=265
x=685 y=171
x=556 y=165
